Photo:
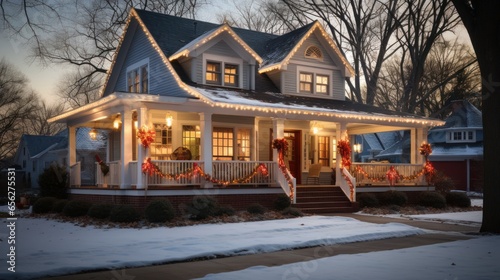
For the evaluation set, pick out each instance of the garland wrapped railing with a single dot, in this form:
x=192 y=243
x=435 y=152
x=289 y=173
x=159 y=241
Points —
x=281 y=145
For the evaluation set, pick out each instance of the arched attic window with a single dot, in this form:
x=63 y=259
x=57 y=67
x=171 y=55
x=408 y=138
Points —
x=313 y=52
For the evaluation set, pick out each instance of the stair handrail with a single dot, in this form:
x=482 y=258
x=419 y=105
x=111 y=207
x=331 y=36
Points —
x=281 y=179
x=348 y=184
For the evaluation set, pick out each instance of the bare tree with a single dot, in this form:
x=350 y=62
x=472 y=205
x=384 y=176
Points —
x=426 y=22
x=81 y=33
x=363 y=30
x=37 y=124
x=450 y=72
x=78 y=88
x=265 y=16
x=480 y=17
x=16 y=105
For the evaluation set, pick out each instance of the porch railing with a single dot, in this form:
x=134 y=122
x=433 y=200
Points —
x=348 y=184
x=113 y=176
x=75 y=175
x=283 y=182
x=376 y=173
x=241 y=172
x=175 y=173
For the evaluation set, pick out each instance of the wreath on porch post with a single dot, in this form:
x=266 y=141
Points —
x=429 y=171
x=147 y=136
x=344 y=149
x=102 y=164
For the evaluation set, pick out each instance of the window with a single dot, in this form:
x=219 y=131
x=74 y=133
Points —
x=305 y=83
x=222 y=143
x=461 y=136
x=191 y=139
x=243 y=142
x=213 y=72
x=314 y=81
x=138 y=77
x=231 y=75
x=313 y=52
x=322 y=84
x=222 y=70
x=324 y=150
x=161 y=148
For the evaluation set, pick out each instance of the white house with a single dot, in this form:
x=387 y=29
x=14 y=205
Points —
x=224 y=94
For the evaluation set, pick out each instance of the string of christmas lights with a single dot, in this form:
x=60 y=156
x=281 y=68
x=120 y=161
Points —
x=281 y=145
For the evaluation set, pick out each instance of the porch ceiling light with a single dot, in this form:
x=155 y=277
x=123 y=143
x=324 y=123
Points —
x=116 y=123
x=93 y=134
x=169 y=120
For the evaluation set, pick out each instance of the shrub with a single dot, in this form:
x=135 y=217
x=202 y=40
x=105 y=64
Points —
x=159 y=211
x=44 y=205
x=292 y=212
x=367 y=200
x=282 y=202
x=225 y=210
x=124 y=214
x=53 y=182
x=76 y=208
x=393 y=198
x=432 y=199
x=442 y=183
x=256 y=208
x=201 y=207
x=458 y=199
x=100 y=211
x=59 y=205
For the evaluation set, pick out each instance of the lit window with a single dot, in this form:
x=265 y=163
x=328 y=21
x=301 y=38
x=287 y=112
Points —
x=324 y=150
x=161 y=148
x=138 y=80
x=305 y=83
x=231 y=75
x=191 y=139
x=243 y=140
x=322 y=84
x=212 y=75
x=313 y=52
x=223 y=139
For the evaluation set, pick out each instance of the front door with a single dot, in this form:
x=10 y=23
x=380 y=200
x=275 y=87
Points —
x=293 y=138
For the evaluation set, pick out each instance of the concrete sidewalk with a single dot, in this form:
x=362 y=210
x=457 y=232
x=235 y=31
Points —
x=196 y=269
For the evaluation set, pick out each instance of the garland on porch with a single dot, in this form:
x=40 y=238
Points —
x=392 y=175
x=429 y=171
x=349 y=182
x=281 y=145
x=147 y=136
x=344 y=149
x=360 y=169
x=148 y=167
x=103 y=165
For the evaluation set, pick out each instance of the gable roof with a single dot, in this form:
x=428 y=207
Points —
x=463 y=114
x=37 y=144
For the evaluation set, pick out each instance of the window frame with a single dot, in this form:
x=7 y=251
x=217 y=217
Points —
x=223 y=60
x=324 y=155
x=158 y=143
x=316 y=72
x=317 y=51
x=135 y=79
x=461 y=136
x=214 y=73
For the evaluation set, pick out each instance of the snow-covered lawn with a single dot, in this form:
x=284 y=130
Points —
x=48 y=247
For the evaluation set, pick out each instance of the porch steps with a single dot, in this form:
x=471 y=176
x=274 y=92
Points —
x=323 y=200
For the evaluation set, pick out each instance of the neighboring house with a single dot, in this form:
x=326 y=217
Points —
x=37 y=152
x=457 y=146
x=217 y=97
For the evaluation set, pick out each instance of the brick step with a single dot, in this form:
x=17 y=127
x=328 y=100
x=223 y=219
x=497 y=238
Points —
x=322 y=200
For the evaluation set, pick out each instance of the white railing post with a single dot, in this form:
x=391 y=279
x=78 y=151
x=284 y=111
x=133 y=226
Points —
x=75 y=175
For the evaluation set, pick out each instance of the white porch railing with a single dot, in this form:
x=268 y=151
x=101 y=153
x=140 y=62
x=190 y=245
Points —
x=231 y=171
x=113 y=176
x=75 y=175
x=283 y=182
x=376 y=173
x=133 y=172
x=175 y=171
x=346 y=183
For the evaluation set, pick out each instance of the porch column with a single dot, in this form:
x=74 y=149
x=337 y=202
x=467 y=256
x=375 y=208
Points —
x=417 y=137
x=125 y=149
x=279 y=132
x=142 y=153
x=341 y=131
x=254 y=138
x=206 y=144
x=71 y=146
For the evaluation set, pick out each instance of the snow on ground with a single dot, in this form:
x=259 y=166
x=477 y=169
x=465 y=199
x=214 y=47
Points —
x=48 y=247
x=470 y=259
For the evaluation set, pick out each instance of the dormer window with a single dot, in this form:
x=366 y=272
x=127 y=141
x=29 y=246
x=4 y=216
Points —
x=314 y=81
x=461 y=136
x=138 y=77
x=223 y=71
x=313 y=52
